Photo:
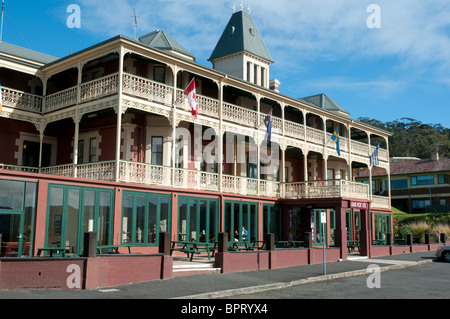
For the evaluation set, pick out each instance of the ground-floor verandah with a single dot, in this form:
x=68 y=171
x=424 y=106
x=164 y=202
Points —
x=40 y=211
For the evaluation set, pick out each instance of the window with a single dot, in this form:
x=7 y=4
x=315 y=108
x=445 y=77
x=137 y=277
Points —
x=157 y=150
x=263 y=79
x=88 y=147
x=248 y=71
x=80 y=152
x=17 y=215
x=255 y=74
x=422 y=180
x=240 y=216
x=421 y=203
x=74 y=210
x=92 y=150
x=272 y=220
x=198 y=219
x=382 y=223
x=443 y=179
x=398 y=183
x=330 y=174
x=144 y=217
x=159 y=73
x=252 y=169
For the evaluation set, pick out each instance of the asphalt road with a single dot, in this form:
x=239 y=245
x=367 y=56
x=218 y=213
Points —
x=426 y=281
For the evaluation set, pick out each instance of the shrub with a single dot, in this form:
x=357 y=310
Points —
x=402 y=231
x=418 y=231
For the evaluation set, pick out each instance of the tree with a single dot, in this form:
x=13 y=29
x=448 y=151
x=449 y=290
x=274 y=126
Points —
x=412 y=138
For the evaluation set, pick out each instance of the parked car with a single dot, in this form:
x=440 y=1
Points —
x=443 y=252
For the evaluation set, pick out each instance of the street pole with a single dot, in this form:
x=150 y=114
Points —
x=323 y=219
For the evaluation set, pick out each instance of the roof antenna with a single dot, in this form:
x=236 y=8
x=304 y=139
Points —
x=1 y=29
x=135 y=23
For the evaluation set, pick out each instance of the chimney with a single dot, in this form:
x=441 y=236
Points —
x=435 y=156
x=274 y=84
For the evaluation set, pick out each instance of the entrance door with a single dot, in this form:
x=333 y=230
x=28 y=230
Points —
x=320 y=233
x=353 y=224
x=30 y=156
x=11 y=229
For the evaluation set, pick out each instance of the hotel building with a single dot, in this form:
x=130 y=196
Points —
x=104 y=140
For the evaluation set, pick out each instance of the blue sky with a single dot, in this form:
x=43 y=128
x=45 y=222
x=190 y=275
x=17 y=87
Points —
x=401 y=69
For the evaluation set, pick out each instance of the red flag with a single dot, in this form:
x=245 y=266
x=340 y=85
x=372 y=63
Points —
x=192 y=97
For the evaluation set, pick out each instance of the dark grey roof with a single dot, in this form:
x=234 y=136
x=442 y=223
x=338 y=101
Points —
x=241 y=35
x=24 y=53
x=161 y=40
x=324 y=102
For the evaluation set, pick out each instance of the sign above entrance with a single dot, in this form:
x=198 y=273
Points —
x=359 y=205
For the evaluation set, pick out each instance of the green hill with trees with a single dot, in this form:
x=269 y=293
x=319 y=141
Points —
x=412 y=138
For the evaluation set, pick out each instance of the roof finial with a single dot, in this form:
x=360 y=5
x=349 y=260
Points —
x=249 y=9
x=234 y=7
x=242 y=5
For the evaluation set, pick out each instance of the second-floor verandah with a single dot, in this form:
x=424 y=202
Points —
x=188 y=179
x=147 y=79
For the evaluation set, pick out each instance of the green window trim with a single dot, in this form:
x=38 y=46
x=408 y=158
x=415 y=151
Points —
x=272 y=220
x=198 y=219
x=382 y=226
x=140 y=221
x=247 y=217
x=17 y=220
x=67 y=207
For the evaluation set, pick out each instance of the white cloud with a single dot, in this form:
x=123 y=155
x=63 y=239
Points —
x=414 y=32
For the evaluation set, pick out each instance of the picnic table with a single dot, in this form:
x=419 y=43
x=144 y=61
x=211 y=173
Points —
x=114 y=248
x=289 y=243
x=352 y=244
x=259 y=244
x=379 y=242
x=193 y=247
x=10 y=249
x=241 y=245
x=51 y=250
x=399 y=241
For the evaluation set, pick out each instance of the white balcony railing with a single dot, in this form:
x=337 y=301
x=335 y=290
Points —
x=162 y=93
x=240 y=115
x=206 y=105
x=325 y=189
x=60 y=99
x=99 y=88
x=147 y=89
x=21 y=100
x=148 y=174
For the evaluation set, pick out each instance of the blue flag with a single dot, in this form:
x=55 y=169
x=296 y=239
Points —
x=374 y=157
x=268 y=123
x=335 y=138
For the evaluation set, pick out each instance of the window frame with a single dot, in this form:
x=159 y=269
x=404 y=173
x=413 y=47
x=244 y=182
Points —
x=187 y=235
x=145 y=233
x=153 y=152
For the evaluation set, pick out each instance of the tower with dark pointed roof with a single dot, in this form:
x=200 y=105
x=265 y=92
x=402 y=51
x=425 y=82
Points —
x=241 y=51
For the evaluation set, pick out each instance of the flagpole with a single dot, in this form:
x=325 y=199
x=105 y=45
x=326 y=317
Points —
x=1 y=29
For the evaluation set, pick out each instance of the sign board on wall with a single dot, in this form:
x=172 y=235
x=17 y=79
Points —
x=359 y=205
